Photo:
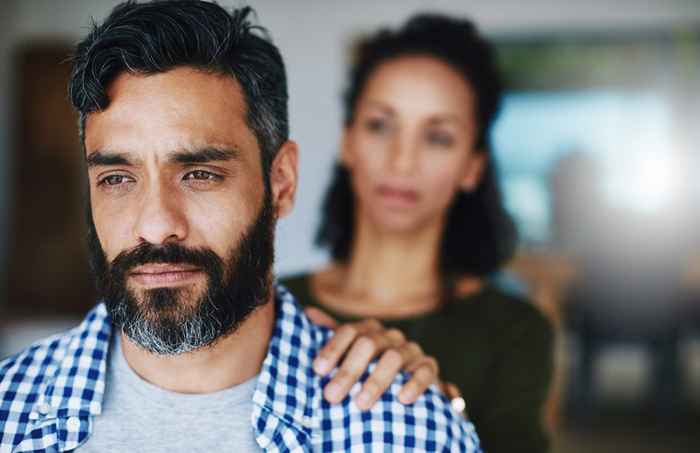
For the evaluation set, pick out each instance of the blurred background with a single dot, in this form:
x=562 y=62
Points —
x=597 y=147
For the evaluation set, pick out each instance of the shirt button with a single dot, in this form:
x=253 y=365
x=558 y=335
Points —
x=44 y=408
x=73 y=424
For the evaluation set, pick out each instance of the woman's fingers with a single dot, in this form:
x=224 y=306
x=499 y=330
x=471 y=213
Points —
x=424 y=373
x=455 y=396
x=381 y=378
x=356 y=345
x=450 y=390
x=387 y=368
x=320 y=317
x=362 y=351
x=345 y=335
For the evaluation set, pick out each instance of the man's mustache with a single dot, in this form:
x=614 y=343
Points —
x=147 y=253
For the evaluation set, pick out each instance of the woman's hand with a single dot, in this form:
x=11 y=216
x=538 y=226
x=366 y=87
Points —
x=453 y=393
x=357 y=344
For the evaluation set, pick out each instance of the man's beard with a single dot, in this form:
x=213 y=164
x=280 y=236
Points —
x=170 y=321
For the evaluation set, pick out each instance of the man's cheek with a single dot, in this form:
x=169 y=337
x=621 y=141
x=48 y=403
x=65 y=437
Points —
x=228 y=233
x=112 y=240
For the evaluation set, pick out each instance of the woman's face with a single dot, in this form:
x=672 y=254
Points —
x=410 y=147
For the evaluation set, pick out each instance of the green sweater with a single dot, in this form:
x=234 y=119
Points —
x=496 y=348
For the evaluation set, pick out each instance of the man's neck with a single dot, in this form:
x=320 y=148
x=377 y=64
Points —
x=231 y=361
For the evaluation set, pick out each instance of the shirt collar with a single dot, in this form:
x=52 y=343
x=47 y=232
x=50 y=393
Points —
x=77 y=386
x=288 y=387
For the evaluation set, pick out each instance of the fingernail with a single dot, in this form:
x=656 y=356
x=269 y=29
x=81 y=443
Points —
x=333 y=391
x=406 y=396
x=363 y=400
x=321 y=365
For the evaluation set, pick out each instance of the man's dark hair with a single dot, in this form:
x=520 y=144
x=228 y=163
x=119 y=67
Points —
x=479 y=236
x=154 y=37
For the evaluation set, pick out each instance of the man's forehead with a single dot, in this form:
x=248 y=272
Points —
x=180 y=109
x=179 y=79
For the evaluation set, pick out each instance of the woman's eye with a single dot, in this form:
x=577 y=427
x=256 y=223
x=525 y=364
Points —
x=201 y=175
x=377 y=125
x=440 y=139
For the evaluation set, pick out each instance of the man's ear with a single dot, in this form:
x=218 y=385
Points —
x=284 y=177
x=474 y=170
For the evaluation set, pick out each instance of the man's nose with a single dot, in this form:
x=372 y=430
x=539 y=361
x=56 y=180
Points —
x=161 y=218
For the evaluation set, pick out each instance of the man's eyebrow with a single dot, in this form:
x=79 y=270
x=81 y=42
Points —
x=204 y=155
x=101 y=158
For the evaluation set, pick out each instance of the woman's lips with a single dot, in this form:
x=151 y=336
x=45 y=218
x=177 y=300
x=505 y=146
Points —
x=153 y=275
x=397 y=196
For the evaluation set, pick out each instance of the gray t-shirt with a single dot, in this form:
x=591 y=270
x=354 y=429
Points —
x=138 y=416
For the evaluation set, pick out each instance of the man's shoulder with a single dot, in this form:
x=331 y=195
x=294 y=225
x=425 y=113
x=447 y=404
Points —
x=60 y=375
x=24 y=374
x=36 y=360
x=429 y=424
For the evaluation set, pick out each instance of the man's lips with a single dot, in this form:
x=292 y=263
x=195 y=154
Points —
x=160 y=274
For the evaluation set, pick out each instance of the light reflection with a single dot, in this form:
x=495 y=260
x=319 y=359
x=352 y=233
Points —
x=648 y=183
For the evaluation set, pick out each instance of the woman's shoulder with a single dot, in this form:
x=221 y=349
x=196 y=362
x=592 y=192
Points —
x=504 y=309
x=300 y=286
x=513 y=326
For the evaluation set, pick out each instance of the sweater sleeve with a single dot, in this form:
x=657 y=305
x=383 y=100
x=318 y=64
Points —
x=518 y=386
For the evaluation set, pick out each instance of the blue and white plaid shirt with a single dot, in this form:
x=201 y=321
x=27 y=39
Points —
x=50 y=392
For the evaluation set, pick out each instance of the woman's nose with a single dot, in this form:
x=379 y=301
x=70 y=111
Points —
x=403 y=156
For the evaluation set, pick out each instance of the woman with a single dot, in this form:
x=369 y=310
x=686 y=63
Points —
x=415 y=225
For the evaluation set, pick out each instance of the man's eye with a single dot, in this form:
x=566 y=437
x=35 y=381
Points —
x=201 y=175
x=114 y=180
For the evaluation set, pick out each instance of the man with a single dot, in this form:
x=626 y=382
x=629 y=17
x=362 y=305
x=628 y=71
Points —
x=183 y=117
